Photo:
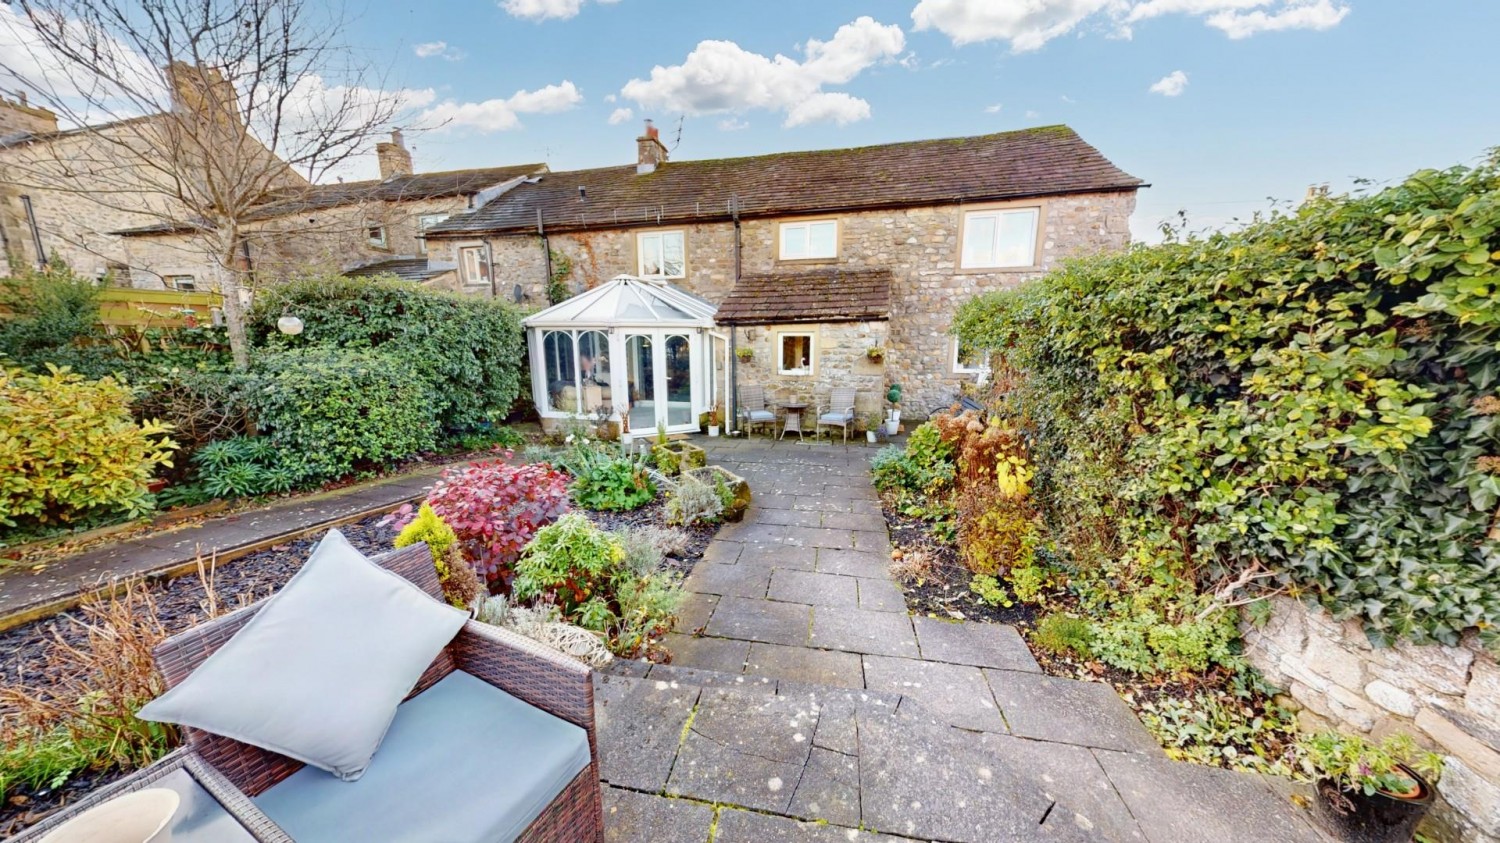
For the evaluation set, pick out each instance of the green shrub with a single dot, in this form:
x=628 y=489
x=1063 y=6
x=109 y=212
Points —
x=1064 y=635
x=69 y=449
x=924 y=468
x=329 y=411
x=605 y=477
x=693 y=501
x=53 y=317
x=1315 y=394
x=468 y=351
x=989 y=590
x=242 y=467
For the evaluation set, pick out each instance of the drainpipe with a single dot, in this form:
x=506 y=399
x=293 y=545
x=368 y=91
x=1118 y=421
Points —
x=732 y=423
x=546 y=253
x=489 y=256
x=36 y=233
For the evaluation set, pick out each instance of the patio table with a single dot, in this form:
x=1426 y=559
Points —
x=793 y=422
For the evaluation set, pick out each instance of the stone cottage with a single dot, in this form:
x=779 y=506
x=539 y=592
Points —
x=830 y=268
x=364 y=228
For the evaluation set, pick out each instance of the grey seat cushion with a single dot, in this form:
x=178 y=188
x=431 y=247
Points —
x=836 y=418
x=463 y=761
x=760 y=415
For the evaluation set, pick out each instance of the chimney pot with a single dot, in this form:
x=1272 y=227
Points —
x=649 y=151
x=395 y=159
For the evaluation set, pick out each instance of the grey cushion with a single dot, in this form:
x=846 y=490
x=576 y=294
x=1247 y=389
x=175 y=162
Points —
x=836 y=418
x=317 y=674
x=760 y=415
x=463 y=761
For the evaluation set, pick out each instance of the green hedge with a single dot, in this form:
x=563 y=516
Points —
x=1315 y=394
x=469 y=351
x=331 y=411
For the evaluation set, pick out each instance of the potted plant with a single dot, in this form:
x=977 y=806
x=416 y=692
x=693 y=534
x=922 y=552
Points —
x=744 y=353
x=872 y=426
x=673 y=456
x=1366 y=791
x=875 y=353
x=715 y=418
x=893 y=420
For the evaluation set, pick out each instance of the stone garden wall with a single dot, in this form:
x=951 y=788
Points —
x=1448 y=698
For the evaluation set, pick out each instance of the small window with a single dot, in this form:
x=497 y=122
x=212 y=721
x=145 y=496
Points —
x=999 y=239
x=809 y=240
x=794 y=354
x=424 y=222
x=969 y=360
x=376 y=235
x=184 y=283
x=660 y=254
x=475 y=264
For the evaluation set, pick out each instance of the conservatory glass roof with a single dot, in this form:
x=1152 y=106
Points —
x=627 y=300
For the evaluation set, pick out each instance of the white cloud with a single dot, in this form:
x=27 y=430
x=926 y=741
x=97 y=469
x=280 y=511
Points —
x=609 y=98
x=540 y=10
x=1032 y=115
x=499 y=115
x=1067 y=99
x=620 y=115
x=1029 y=24
x=993 y=109
x=1171 y=85
x=438 y=49
x=721 y=76
x=1318 y=15
x=732 y=124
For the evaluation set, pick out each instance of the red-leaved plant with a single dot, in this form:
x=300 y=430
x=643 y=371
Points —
x=495 y=509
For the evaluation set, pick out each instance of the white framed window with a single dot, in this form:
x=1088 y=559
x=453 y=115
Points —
x=809 y=240
x=375 y=233
x=424 y=222
x=969 y=360
x=474 y=264
x=661 y=254
x=185 y=283
x=794 y=353
x=999 y=239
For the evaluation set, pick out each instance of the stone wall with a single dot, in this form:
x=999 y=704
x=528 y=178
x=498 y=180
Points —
x=919 y=246
x=1448 y=698
x=841 y=361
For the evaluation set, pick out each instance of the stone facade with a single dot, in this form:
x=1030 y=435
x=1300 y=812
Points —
x=920 y=246
x=1446 y=697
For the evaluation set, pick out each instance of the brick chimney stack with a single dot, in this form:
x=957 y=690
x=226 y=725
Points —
x=395 y=160
x=649 y=151
x=19 y=117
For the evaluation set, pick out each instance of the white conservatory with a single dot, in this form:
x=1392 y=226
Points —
x=640 y=350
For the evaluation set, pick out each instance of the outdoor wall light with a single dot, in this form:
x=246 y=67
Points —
x=289 y=325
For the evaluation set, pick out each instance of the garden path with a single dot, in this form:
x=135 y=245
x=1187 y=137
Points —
x=805 y=703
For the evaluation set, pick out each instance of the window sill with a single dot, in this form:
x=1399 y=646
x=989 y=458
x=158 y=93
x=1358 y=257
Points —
x=997 y=270
x=808 y=261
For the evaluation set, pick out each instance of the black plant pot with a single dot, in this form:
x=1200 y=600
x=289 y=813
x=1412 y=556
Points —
x=1381 y=818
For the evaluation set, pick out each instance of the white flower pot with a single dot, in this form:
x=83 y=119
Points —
x=140 y=817
x=713 y=430
x=870 y=436
x=892 y=427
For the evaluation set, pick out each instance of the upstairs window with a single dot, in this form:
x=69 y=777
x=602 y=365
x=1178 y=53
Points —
x=999 y=239
x=375 y=233
x=661 y=254
x=474 y=264
x=809 y=240
x=185 y=283
x=424 y=222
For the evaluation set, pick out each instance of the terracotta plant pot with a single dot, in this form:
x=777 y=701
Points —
x=1381 y=818
x=140 y=817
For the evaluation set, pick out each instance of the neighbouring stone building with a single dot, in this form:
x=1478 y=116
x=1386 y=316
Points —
x=938 y=221
x=1448 y=697
x=366 y=228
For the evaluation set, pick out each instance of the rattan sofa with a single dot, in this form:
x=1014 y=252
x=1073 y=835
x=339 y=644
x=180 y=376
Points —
x=233 y=771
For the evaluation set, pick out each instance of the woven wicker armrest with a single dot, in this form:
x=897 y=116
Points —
x=528 y=671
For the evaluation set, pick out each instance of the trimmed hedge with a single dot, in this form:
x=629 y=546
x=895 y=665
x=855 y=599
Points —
x=468 y=351
x=1315 y=395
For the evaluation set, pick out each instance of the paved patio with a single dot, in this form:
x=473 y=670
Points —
x=805 y=704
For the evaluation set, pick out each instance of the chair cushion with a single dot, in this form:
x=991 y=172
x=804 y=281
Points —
x=836 y=418
x=760 y=415
x=317 y=674
x=464 y=760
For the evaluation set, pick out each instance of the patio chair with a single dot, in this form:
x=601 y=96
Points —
x=839 y=411
x=753 y=410
x=454 y=769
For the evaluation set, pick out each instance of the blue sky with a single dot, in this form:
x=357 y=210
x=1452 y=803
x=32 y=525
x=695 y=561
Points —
x=1278 y=94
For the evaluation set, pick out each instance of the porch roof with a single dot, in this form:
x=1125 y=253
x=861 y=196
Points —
x=627 y=301
x=830 y=295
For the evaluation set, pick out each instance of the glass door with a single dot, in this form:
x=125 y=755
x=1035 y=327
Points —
x=678 y=386
x=640 y=374
x=660 y=378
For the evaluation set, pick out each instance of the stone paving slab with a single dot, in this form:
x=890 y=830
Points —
x=728 y=580
x=760 y=620
x=1072 y=776
x=792 y=586
x=862 y=631
x=978 y=644
x=631 y=817
x=722 y=654
x=957 y=693
x=1175 y=801
x=723 y=552
x=677 y=676
x=744 y=750
x=1068 y=711
x=695 y=611
x=802 y=664
x=880 y=595
x=854 y=563
x=639 y=724
x=747 y=827
x=779 y=556
x=829 y=788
